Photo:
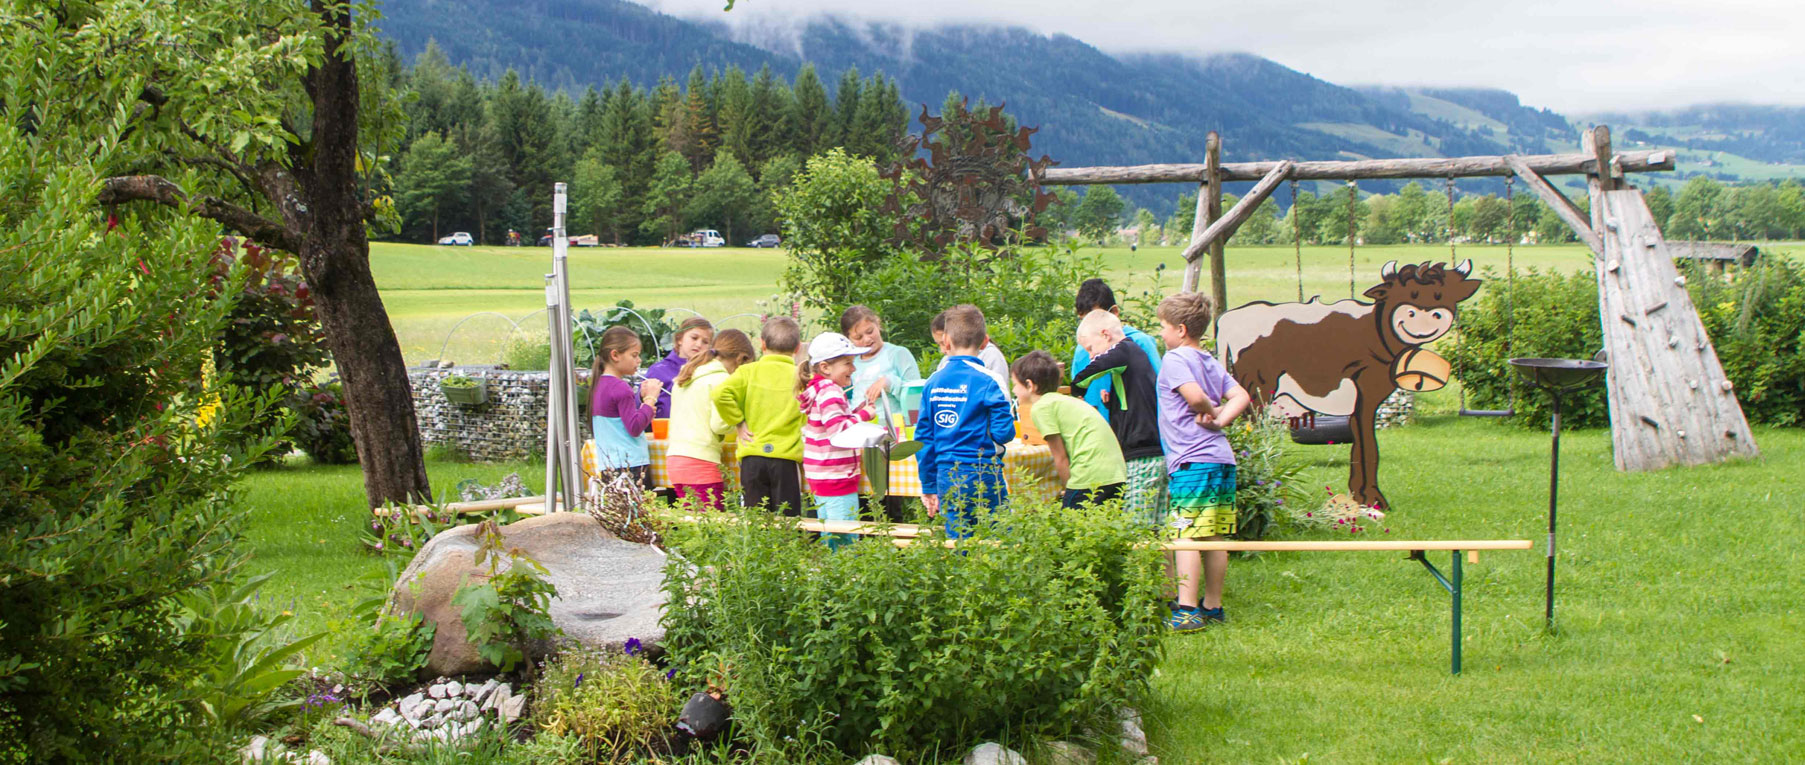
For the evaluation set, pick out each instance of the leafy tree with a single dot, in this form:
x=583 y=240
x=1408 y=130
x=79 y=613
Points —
x=1792 y=208
x=1660 y=204
x=298 y=137
x=1099 y=213
x=667 y=197
x=1413 y=214
x=813 y=116
x=595 y=196
x=1184 y=217
x=1057 y=217
x=1382 y=225
x=773 y=177
x=434 y=176
x=725 y=193
x=1698 y=212
x=1146 y=229
x=1263 y=227
x=1487 y=223
x=834 y=227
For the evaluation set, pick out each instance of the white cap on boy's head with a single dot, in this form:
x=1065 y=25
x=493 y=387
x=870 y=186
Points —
x=828 y=346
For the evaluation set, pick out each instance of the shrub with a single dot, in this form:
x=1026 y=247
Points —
x=272 y=342
x=508 y=609
x=383 y=648
x=528 y=351
x=614 y=704
x=113 y=500
x=1265 y=473
x=1041 y=625
x=242 y=652
x=1555 y=316
x=322 y=426
x=834 y=228
x=1025 y=293
x=1755 y=318
x=656 y=331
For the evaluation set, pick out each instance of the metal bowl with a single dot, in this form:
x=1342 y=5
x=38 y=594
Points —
x=1559 y=374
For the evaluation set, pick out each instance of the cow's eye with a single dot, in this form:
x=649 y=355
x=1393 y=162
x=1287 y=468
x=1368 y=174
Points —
x=1437 y=315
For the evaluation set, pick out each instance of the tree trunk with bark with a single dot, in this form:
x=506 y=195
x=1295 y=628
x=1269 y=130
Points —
x=321 y=218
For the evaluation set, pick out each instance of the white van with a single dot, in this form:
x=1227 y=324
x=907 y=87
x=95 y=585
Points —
x=706 y=237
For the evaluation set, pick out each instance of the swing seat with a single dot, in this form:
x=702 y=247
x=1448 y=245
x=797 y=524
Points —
x=1323 y=430
x=1511 y=412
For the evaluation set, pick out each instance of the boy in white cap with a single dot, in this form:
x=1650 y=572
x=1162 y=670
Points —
x=822 y=375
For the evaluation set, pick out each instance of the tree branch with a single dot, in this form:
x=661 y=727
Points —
x=154 y=188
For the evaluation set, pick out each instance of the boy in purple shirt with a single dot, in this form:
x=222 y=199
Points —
x=1197 y=399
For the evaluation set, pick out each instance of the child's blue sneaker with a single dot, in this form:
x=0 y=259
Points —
x=1185 y=620
x=1213 y=615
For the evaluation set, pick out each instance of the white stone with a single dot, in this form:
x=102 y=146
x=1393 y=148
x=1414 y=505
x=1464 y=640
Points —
x=991 y=753
x=437 y=691
x=454 y=688
x=1068 y=753
x=437 y=719
x=1148 y=760
x=1134 y=740
x=878 y=759
x=256 y=750
x=447 y=705
x=511 y=709
x=317 y=757
x=387 y=717
x=482 y=694
x=467 y=710
x=495 y=700
x=410 y=706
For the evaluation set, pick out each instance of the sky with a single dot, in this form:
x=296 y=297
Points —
x=1574 y=56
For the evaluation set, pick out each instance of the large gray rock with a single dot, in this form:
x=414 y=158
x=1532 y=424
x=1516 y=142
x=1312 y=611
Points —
x=608 y=590
x=990 y=753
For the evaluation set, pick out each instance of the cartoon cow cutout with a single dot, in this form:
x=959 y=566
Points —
x=1345 y=358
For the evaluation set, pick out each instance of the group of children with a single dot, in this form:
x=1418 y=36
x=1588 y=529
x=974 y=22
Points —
x=1147 y=431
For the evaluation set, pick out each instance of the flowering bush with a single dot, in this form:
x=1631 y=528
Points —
x=1042 y=625
x=1339 y=513
x=616 y=704
x=1266 y=488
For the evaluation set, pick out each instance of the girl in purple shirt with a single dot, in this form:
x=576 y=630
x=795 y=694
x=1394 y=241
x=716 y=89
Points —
x=620 y=416
x=693 y=336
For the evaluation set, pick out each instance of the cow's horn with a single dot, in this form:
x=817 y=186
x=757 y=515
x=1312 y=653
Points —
x=1465 y=268
x=1388 y=270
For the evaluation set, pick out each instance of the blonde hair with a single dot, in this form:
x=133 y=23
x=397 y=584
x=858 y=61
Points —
x=965 y=327
x=1191 y=310
x=1099 y=321
x=732 y=347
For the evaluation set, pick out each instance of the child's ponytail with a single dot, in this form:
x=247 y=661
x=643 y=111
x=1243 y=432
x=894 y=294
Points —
x=805 y=372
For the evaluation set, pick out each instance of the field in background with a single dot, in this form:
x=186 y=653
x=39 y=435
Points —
x=428 y=290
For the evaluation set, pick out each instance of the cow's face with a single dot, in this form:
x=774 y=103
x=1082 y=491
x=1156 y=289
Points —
x=1420 y=302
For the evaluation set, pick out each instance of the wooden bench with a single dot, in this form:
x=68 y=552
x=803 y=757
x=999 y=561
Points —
x=904 y=534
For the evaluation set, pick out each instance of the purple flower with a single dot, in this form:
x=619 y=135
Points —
x=376 y=525
x=632 y=646
x=671 y=675
x=1259 y=483
x=579 y=681
x=378 y=545
x=1279 y=501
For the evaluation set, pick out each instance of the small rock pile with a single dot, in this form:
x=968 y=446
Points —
x=448 y=710
x=262 y=749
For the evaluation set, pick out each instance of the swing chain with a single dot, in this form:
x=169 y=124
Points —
x=1452 y=255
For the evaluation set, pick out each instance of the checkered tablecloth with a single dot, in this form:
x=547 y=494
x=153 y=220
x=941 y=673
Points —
x=1027 y=468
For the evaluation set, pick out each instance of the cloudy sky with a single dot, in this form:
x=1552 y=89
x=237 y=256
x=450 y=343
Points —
x=1574 y=56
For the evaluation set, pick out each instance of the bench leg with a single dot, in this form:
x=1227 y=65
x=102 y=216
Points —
x=1451 y=583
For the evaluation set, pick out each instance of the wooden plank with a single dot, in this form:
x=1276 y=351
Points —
x=1218 y=267
x=1391 y=545
x=1206 y=214
x=1558 y=202
x=1670 y=402
x=1225 y=227
x=1342 y=170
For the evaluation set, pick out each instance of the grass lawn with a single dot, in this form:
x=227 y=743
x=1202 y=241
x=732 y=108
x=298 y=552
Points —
x=428 y=290
x=1679 y=596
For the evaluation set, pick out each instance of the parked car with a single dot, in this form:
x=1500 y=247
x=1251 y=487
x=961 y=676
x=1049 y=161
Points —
x=459 y=239
x=768 y=240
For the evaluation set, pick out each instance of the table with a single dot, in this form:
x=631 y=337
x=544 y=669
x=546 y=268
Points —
x=1027 y=468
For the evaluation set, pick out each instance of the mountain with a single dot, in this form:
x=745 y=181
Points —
x=1092 y=107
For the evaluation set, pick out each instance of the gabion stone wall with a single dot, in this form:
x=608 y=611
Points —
x=510 y=425
x=1396 y=409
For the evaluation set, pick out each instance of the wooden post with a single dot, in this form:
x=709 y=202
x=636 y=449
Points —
x=1225 y=227
x=1212 y=163
x=1200 y=222
x=1558 y=202
x=1670 y=401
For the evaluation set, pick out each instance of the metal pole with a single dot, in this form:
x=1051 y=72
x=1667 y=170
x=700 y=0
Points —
x=1454 y=591
x=1554 y=482
x=570 y=456
x=553 y=416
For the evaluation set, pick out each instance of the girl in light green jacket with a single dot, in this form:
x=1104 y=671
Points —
x=694 y=460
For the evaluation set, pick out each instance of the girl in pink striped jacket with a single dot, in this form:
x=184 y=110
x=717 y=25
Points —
x=832 y=472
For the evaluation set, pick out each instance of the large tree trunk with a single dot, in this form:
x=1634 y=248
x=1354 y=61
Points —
x=335 y=255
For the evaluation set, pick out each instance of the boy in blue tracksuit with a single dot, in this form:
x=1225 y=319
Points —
x=965 y=421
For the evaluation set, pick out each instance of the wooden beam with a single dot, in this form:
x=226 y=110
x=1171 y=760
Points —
x=1225 y=227
x=1343 y=170
x=1218 y=267
x=1397 y=545
x=1558 y=202
x=1201 y=221
x=1598 y=143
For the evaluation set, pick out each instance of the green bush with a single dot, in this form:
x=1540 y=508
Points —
x=1265 y=473
x=834 y=228
x=113 y=500
x=243 y=653
x=657 y=332
x=1555 y=316
x=616 y=705
x=322 y=426
x=1044 y=624
x=507 y=610
x=1025 y=293
x=1755 y=318
x=272 y=341
x=529 y=352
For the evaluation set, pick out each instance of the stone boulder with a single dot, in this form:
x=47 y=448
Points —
x=609 y=590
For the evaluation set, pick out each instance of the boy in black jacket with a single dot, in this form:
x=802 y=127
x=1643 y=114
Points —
x=1131 y=395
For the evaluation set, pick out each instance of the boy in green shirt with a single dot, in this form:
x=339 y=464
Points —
x=1085 y=453
x=760 y=397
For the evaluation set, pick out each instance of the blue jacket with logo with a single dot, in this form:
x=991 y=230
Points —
x=965 y=421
